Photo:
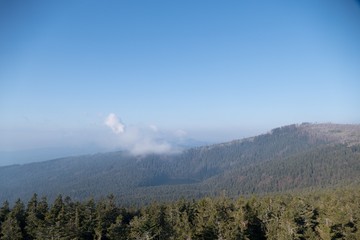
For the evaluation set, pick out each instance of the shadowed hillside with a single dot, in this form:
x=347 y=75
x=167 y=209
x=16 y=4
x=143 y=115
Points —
x=286 y=158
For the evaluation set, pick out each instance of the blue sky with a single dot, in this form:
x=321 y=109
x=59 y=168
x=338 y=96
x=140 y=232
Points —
x=215 y=70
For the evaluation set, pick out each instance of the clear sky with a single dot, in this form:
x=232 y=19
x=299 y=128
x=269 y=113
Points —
x=210 y=70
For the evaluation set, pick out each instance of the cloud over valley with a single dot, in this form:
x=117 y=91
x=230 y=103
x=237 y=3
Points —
x=140 y=140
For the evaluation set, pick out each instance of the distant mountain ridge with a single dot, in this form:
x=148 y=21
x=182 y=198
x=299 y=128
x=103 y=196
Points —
x=286 y=158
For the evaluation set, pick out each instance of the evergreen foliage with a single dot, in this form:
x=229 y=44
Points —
x=324 y=215
x=288 y=158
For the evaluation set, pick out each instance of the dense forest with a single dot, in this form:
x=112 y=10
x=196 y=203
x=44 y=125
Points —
x=306 y=179
x=288 y=158
x=328 y=215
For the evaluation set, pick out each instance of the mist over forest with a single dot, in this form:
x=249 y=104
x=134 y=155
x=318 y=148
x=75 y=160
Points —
x=179 y=120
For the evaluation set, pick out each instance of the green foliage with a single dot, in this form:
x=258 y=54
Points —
x=320 y=163
x=4 y=211
x=324 y=215
x=288 y=158
x=11 y=229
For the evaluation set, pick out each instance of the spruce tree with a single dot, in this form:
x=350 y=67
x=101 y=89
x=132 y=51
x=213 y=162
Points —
x=11 y=229
x=4 y=211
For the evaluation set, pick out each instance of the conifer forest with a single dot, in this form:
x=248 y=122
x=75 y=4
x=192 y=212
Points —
x=328 y=215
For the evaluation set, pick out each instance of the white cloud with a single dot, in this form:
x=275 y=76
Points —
x=154 y=128
x=148 y=145
x=137 y=140
x=113 y=122
x=180 y=133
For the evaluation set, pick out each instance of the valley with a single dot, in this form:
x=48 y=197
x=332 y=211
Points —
x=288 y=158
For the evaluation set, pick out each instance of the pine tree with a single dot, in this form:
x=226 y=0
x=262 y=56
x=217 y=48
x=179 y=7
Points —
x=55 y=220
x=106 y=214
x=11 y=229
x=41 y=224
x=205 y=222
x=307 y=222
x=118 y=230
x=32 y=220
x=180 y=218
x=87 y=217
x=152 y=224
x=227 y=226
x=255 y=228
x=18 y=212
x=4 y=211
x=72 y=219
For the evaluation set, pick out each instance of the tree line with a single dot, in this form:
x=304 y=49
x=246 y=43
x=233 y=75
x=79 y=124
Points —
x=328 y=215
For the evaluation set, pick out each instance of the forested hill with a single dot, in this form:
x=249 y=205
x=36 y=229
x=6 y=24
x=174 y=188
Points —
x=286 y=158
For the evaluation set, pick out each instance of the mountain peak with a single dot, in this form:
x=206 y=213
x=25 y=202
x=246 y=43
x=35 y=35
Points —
x=348 y=134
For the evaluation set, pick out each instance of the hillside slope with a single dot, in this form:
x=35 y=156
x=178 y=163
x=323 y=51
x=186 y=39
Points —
x=290 y=157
